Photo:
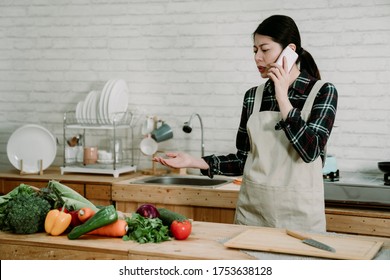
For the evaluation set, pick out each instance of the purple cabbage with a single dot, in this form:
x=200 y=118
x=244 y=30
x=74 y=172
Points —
x=148 y=211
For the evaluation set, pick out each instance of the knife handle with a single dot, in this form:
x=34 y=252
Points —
x=296 y=234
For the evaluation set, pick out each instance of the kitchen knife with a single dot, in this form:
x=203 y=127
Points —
x=309 y=241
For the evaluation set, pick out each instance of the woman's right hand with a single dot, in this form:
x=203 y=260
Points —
x=181 y=160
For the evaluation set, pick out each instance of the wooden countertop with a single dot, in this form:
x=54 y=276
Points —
x=205 y=242
x=54 y=173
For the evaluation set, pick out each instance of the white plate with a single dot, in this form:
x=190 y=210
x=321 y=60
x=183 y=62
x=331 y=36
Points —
x=92 y=108
x=102 y=100
x=79 y=112
x=31 y=143
x=106 y=100
x=87 y=107
x=118 y=101
x=84 y=111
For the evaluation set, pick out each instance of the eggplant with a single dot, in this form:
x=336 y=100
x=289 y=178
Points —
x=148 y=211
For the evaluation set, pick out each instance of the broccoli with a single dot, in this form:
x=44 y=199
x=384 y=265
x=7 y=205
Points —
x=25 y=213
x=22 y=188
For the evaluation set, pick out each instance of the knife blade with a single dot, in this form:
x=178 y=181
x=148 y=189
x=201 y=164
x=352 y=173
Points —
x=309 y=241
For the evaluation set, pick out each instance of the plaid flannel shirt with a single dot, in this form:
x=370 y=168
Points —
x=308 y=139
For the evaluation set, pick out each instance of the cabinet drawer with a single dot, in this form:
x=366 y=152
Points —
x=9 y=185
x=358 y=225
x=100 y=192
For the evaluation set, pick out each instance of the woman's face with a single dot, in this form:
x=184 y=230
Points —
x=266 y=52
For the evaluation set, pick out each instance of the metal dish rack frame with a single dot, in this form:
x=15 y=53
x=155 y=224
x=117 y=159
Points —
x=119 y=121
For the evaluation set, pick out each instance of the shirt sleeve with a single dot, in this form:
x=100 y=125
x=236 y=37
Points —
x=233 y=164
x=309 y=139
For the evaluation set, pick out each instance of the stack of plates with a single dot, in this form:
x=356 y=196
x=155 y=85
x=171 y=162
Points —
x=105 y=107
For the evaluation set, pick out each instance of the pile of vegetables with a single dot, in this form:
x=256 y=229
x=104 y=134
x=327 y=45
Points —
x=25 y=209
x=58 y=209
x=150 y=224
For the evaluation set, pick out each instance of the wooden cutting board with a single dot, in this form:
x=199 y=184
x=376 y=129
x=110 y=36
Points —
x=277 y=241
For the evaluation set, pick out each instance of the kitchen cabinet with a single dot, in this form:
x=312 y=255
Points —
x=96 y=188
x=359 y=221
x=209 y=205
x=218 y=205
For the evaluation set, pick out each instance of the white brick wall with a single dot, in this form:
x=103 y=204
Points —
x=185 y=56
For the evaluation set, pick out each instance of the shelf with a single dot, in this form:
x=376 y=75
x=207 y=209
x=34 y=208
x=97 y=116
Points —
x=122 y=120
x=117 y=122
x=98 y=169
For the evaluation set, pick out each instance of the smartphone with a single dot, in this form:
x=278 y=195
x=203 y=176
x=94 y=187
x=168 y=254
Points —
x=291 y=56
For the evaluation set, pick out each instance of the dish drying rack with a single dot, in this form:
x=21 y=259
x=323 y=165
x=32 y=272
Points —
x=120 y=121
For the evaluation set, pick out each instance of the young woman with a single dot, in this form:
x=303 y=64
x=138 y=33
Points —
x=281 y=141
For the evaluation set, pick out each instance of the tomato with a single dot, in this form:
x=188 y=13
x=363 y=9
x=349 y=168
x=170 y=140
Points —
x=181 y=229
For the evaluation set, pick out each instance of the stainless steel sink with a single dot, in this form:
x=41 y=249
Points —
x=192 y=181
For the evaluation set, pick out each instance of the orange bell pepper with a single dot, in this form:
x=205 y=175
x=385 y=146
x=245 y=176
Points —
x=57 y=222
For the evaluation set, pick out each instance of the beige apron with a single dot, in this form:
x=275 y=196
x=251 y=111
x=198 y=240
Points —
x=278 y=188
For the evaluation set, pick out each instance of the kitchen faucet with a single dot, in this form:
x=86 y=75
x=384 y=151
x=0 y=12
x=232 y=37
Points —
x=187 y=128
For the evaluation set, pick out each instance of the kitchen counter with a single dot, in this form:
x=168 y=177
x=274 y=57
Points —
x=205 y=242
x=198 y=203
x=201 y=204
x=97 y=188
x=218 y=205
x=359 y=189
x=54 y=173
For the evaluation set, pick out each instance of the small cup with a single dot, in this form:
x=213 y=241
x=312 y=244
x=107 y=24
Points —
x=164 y=132
x=90 y=155
x=70 y=154
x=116 y=148
x=148 y=125
x=148 y=146
x=104 y=156
x=79 y=154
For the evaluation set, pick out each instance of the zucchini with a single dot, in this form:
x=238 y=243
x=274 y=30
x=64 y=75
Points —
x=168 y=216
x=105 y=216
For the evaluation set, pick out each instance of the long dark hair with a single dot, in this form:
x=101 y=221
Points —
x=283 y=30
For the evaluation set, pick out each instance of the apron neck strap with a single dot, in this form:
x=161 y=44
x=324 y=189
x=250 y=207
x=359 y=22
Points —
x=258 y=98
x=312 y=95
x=308 y=103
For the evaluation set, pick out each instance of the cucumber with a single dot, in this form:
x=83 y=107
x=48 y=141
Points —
x=105 y=216
x=168 y=216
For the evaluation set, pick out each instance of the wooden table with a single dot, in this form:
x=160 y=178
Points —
x=205 y=242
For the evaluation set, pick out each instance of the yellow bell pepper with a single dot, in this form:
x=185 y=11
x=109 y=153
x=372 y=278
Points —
x=57 y=221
